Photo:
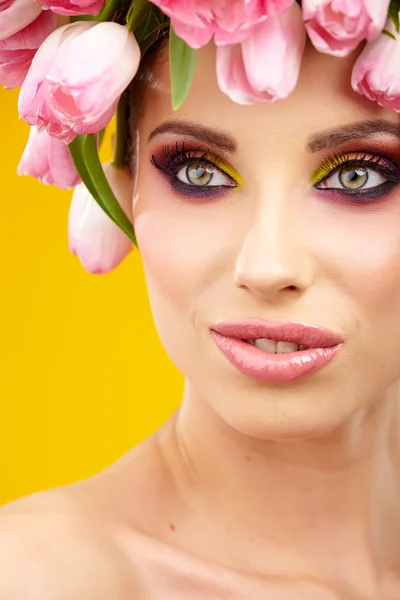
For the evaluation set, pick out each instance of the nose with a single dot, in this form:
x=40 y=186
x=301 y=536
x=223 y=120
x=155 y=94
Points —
x=275 y=257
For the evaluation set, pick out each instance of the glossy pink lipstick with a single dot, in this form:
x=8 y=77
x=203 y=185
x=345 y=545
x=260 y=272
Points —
x=233 y=337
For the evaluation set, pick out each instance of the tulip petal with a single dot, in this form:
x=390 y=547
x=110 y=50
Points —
x=75 y=81
x=16 y=15
x=266 y=66
x=14 y=65
x=84 y=83
x=97 y=241
x=337 y=27
x=375 y=72
x=71 y=8
x=48 y=160
x=18 y=51
x=227 y=21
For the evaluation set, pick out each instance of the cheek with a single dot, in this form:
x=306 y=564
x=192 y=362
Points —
x=179 y=247
x=361 y=246
x=185 y=245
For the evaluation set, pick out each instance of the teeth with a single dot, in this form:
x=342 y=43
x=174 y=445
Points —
x=273 y=347
x=285 y=347
x=266 y=345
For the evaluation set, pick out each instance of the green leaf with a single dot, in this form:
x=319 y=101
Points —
x=135 y=13
x=389 y=34
x=120 y=158
x=76 y=150
x=101 y=136
x=394 y=9
x=182 y=67
x=86 y=159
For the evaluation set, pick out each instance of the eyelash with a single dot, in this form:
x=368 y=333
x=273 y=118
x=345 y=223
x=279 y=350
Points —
x=174 y=158
x=380 y=163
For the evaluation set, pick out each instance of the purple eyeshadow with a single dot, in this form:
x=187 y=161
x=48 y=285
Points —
x=170 y=162
x=199 y=192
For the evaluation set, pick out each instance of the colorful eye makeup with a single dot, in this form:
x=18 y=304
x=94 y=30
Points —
x=357 y=176
x=196 y=173
x=354 y=176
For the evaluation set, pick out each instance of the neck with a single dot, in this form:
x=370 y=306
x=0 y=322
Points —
x=311 y=501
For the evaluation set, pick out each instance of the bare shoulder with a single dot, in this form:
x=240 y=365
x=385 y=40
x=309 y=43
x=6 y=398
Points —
x=54 y=546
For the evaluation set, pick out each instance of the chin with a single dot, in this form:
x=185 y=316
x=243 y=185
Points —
x=298 y=411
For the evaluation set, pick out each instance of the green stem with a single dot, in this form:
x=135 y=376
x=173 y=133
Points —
x=120 y=150
x=108 y=11
x=101 y=137
x=134 y=13
x=74 y=19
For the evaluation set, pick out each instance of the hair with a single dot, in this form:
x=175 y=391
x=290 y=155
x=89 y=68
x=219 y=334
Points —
x=137 y=94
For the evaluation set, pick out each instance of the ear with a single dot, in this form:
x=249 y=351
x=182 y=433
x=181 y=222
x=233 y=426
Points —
x=97 y=241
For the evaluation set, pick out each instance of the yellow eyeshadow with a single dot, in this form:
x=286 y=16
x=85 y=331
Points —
x=220 y=164
x=332 y=163
x=320 y=173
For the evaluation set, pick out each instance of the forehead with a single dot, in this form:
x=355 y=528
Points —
x=323 y=99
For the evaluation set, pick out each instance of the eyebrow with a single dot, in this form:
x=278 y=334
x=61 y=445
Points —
x=352 y=131
x=213 y=137
x=316 y=143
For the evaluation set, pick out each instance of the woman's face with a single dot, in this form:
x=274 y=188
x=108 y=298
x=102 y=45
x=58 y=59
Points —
x=296 y=219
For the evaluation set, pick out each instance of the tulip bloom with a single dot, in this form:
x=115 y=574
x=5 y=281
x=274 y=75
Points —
x=73 y=7
x=266 y=66
x=16 y=14
x=229 y=21
x=77 y=77
x=97 y=241
x=48 y=160
x=18 y=50
x=376 y=71
x=337 y=26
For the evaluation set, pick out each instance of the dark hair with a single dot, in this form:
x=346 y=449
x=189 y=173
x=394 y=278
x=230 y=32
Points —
x=137 y=93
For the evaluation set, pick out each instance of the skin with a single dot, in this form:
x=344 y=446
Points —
x=250 y=490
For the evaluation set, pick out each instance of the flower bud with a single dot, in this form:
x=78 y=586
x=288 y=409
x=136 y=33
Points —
x=77 y=77
x=97 y=241
x=18 y=50
x=17 y=14
x=198 y=22
x=48 y=160
x=337 y=26
x=266 y=66
x=376 y=71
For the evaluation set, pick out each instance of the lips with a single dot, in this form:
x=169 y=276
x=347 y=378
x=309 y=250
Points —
x=232 y=338
x=303 y=334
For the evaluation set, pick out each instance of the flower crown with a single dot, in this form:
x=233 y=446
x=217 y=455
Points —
x=76 y=59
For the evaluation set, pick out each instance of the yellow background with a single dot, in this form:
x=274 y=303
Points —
x=78 y=351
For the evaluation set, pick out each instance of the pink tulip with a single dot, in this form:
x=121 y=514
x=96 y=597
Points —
x=71 y=7
x=48 y=160
x=97 y=241
x=18 y=50
x=77 y=77
x=266 y=66
x=276 y=7
x=337 y=26
x=376 y=71
x=229 y=21
x=16 y=14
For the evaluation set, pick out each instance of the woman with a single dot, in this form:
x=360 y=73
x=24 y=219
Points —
x=264 y=230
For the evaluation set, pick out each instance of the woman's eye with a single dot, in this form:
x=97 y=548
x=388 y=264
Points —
x=200 y=174
x=354 y=177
